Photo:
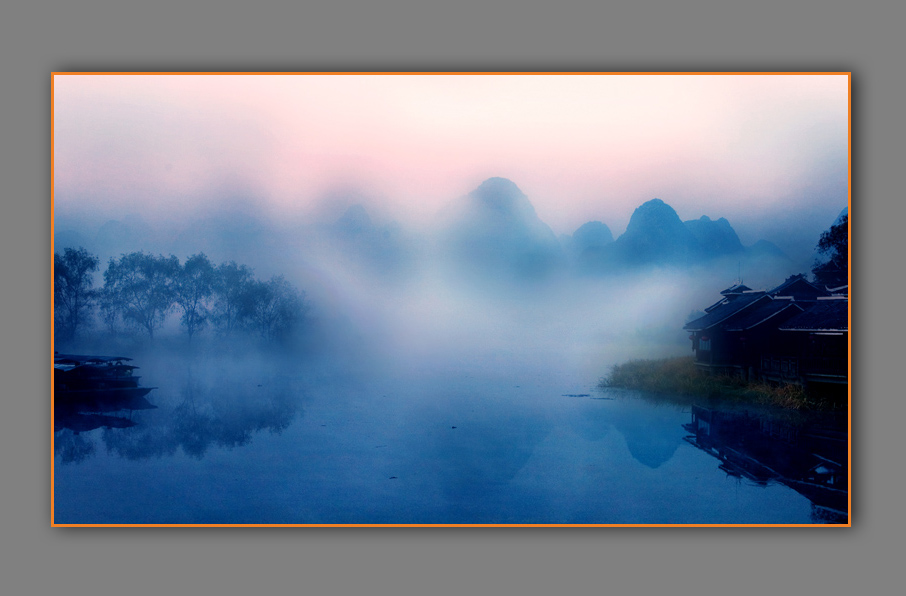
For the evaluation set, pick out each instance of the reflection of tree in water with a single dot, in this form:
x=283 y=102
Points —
x=207 y=417
x=71 y=447
x=222 y=412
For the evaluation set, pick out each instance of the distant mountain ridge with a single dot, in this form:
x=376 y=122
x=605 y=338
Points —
x=588 y=238
x=496 y=231
x=656 y=236
x=715 y=238
x=493 y=232
x=383 y=250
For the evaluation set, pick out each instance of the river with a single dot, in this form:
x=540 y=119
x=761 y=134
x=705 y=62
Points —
x=477 y=442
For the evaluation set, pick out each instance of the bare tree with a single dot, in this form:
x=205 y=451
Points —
x=231 y=288
x=73 y=294
x=193 y=290
x=140 y=287
x=275 y=308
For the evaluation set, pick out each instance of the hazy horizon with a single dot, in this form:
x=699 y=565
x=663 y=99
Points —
x=751 y=148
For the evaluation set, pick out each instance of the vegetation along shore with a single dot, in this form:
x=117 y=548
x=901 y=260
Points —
x=678 y=379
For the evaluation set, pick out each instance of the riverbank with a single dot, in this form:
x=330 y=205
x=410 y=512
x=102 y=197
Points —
x=679 y=379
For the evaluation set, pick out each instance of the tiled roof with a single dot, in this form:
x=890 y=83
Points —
x=824 y=315
x=759 y=313
x=798 y=287
x=724 y=312
x=715 y=305
x=736 y=289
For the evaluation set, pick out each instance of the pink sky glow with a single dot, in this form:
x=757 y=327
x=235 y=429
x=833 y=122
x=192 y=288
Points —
x=582 y=147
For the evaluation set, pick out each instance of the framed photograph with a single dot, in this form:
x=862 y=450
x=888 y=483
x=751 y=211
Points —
x=451 y=299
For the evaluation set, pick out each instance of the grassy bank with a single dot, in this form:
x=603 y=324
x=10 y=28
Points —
x=682 y=381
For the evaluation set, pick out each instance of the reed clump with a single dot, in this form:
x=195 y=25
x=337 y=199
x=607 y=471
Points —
x=678 y=379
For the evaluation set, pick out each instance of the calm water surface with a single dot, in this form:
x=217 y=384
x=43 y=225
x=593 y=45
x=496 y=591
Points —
x=240 y=442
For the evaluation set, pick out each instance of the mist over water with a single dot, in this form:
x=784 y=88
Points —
x=444 y=374
x=464 y=288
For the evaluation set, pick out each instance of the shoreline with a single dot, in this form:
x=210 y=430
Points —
x=680 y=379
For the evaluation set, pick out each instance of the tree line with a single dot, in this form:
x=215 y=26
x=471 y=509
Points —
x=141 y=291
x=832 y=266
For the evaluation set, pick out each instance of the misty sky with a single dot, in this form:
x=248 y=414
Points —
x=581 y=147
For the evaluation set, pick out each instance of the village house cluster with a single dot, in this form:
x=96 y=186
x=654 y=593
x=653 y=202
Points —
x=795 y=333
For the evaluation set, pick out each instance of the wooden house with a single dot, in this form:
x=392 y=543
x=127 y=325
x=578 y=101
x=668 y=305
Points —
x=816 y=342
x=785 y=334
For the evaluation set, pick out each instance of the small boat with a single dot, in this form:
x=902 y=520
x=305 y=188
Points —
x=97 y=384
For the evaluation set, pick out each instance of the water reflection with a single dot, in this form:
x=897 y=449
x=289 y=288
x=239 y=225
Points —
x=479 y=456
x=78 y=422
x=648 y=428
x=71 y=447
x=201 y=414
x=436 y=448
x=807 y=453
x=651 y=439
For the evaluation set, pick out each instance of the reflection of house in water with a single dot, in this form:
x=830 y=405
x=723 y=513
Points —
x=809 y=455
x=794 y=333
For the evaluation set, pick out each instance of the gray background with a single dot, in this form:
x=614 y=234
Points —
x=573 y=35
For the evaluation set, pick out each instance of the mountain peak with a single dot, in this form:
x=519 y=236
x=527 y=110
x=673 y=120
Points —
x=715 y=237
x=497 y=230
x=654 y=213
x=590 y=236
x=498 y=185
x=502 y=195
x=655 y=236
